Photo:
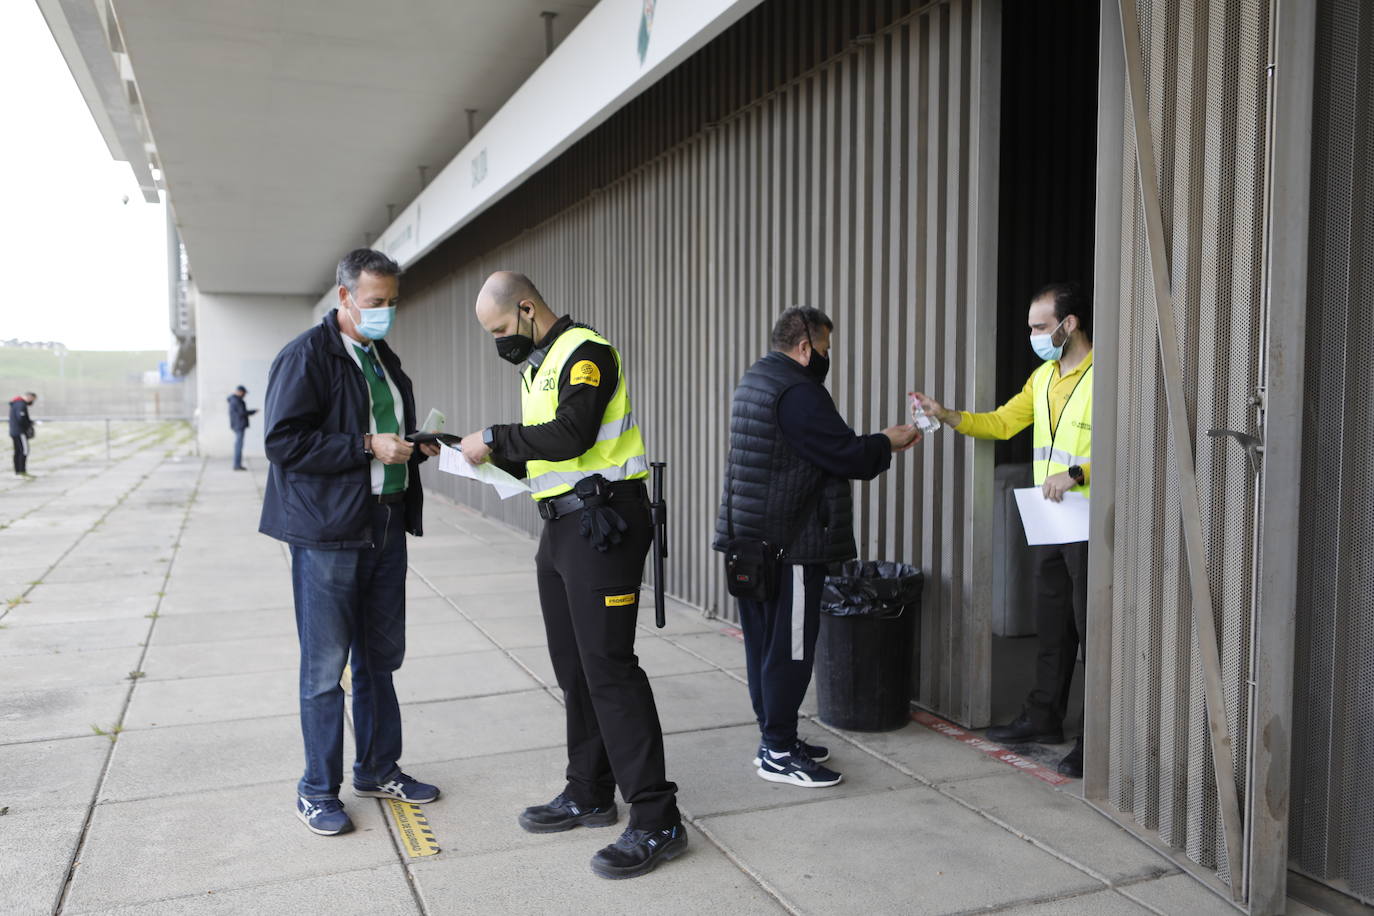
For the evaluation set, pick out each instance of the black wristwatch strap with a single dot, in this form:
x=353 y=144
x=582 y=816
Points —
x=1076 y=472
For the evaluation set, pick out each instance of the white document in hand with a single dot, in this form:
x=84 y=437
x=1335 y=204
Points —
x=1049 y=522
x=451 y=461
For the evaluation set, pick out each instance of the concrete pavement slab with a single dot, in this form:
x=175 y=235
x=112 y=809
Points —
x=920 y=853
x=186 y=759
x=214 y=699
x=84 y=601
x=22 y=636
x=445 y=677
x=515 y=632
x=383 y=891
x=35 y=851
x=58 y=712
x=1099 y=903
x=1179 y=893
x=661 y=657
x=709 y=699
x=554 y=878
x=447 y=637
x=484 y=795
x=1063 y=823
x=474 y=727
x=536 y=659
x=715 y=773
x=458 y=585
x=229 y=656
x=181 y=629
x=929 y=755
x=51 y=774
x=523 y=603
x=458 y=563
x=720 y=647
x=255 y=836
x=110 y=667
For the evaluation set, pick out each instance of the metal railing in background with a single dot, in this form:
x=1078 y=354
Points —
x=106 y=422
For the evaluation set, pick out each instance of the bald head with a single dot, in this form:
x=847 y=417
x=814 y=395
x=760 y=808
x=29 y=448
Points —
x=508 y=299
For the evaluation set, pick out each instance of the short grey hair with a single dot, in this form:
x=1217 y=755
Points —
x=796 y=324
x=364 y=259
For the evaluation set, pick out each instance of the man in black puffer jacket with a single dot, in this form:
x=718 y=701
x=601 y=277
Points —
x=787 y=482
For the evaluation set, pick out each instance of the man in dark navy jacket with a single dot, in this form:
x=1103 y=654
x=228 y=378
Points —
x=343 y=490
x=21 y=431
x=787 y=482
x=238 y=422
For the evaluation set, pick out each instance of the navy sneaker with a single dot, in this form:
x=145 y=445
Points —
x=638 y=852
x=796 y=769
x=816 y=752
x=400 y=787
x=324 y=816
x=564 y=814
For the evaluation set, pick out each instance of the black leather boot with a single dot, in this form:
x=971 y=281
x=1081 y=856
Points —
x=1025 y=729
x=639 y=851
x=562 y=814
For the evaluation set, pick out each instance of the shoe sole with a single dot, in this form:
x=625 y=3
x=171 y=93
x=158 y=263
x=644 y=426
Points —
x=582 y=820
x=368 y=793
x=1051 y=738
x=788 y=780
x=669 y=853
x=758 y=761
x=317 y=831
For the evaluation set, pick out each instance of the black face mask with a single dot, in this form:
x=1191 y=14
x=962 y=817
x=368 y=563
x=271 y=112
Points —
x=819 y=367
x=515 y=348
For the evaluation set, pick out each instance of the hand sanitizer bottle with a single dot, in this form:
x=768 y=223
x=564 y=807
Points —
x=926 y=423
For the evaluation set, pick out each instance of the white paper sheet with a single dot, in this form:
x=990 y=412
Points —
x=451 y=461
x=1049 y=522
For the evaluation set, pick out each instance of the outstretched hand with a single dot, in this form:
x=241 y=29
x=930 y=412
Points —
x=902 y=437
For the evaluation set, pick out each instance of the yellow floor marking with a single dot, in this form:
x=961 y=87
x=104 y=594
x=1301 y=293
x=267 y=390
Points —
x=416 y=835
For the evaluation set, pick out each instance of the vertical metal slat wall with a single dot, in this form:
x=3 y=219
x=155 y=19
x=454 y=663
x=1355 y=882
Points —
x=1331 y=828
x=1205 y=74
x=860 y=179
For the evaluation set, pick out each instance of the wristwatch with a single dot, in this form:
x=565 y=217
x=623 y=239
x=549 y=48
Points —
x=488 y=437
x=367 y=445
x=1076 y=472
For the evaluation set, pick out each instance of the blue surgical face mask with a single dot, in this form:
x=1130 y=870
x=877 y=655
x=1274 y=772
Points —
x=375 y=323
x=1043 y=344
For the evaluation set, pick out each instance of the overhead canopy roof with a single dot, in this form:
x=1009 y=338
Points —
x=285 y=129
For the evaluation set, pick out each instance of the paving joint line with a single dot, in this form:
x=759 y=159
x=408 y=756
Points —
x=75 y=860
x=82 y=536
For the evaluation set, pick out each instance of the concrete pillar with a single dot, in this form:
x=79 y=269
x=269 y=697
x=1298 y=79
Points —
x=237 y=336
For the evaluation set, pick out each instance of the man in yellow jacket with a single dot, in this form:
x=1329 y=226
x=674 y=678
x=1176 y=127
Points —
x=1057 y=401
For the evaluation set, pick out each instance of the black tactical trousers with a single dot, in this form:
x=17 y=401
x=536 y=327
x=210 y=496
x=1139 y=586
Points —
x=590 y=602
x=1061 y=616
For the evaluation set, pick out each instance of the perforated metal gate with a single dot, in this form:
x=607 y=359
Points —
x=1331 y=829
x=863 y=182
x=1205 y=78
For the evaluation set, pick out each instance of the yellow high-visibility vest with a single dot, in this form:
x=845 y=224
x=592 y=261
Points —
x=1059 y=446
x=617 y=454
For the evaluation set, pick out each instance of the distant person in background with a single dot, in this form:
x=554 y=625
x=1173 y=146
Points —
x=21 y=431
x=238 y=422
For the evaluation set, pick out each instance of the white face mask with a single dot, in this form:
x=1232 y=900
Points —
x=1043 y=344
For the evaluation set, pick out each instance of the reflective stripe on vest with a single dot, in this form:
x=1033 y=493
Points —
x=1069 y=441
x=617 y=454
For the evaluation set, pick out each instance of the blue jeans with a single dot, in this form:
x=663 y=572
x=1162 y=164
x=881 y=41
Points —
x=238 y=448
x=351 y=601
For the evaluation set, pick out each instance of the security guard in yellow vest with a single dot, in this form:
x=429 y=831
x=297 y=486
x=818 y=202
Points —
x=582 y=452
x=1058 y=400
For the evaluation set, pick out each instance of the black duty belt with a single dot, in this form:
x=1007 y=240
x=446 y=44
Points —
x=387 y=499
x=555 y=507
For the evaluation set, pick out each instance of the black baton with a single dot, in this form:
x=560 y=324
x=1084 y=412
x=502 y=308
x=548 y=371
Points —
x=658 y=510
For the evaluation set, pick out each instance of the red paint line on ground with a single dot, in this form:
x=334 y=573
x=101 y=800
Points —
x=992 y=749
x=732 y=631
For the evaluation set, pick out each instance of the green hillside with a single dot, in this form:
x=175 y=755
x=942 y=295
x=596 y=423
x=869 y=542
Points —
x=22 y=369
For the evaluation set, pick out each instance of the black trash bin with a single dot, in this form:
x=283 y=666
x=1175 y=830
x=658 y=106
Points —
x=867 y=645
